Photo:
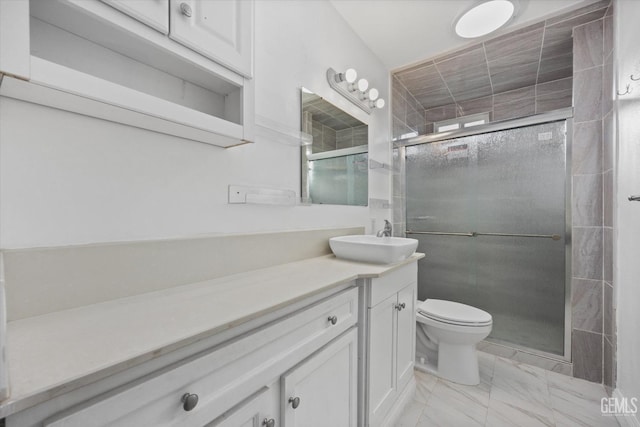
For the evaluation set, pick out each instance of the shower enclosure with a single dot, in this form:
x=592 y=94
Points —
x=490 y=213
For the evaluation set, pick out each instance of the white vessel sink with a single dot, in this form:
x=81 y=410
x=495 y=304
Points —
x=377 y=250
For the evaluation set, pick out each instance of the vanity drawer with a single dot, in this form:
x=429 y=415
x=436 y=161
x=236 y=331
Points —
x=389 y=284
x=221 y=377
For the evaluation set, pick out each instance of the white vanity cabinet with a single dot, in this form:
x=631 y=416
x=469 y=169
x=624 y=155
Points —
x=322 y=391
x=242 y=381
x=260 y=410
x=143 y=63
x=221 y=30
x=390 y=342
x=154 y=13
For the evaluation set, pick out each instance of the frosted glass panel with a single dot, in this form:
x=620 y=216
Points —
x=510 y=182
x=339 y=180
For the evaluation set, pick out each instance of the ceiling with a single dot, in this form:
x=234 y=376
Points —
x=403 y=32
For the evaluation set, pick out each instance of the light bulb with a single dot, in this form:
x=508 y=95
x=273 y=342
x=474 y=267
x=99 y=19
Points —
x=350 y=75
x=363 y=84
x=373 y=94
x=379 y=103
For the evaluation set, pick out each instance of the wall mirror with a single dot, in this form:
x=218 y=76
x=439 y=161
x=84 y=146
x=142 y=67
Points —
x=335 y=160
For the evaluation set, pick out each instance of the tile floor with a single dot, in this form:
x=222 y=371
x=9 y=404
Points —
x=510 y=394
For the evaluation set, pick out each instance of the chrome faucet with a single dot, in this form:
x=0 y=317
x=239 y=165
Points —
x=386 y=232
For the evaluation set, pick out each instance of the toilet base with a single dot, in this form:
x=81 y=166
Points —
x=458 y=363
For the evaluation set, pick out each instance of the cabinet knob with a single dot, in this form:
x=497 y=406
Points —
x=333 y=319
x=186 y=10
x=269 y=422
x=189 y=401
x=295 y=402
x=401 y=306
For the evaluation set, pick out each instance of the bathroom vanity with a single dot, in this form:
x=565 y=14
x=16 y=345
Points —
x=320 y=341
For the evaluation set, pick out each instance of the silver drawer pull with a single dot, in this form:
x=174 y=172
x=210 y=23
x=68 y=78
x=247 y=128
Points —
x=186 y=10
x=333 y=320
x=189 y=401
x=295 y=402
x=401 y=306
x=269 y=422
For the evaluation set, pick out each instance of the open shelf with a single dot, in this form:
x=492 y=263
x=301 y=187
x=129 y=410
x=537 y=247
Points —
x=88 y=58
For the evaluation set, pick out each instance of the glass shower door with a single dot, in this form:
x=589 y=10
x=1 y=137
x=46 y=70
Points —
x=489 y=212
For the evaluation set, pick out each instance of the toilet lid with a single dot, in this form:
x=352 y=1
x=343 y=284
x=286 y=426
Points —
x=453 y=312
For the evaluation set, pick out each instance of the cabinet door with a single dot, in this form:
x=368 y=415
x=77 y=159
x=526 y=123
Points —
x=15 y=49
x=154 y=13
x=382 y=363
x=325 y=387
x=258 y=411
x=406 y=335
x=221 y=30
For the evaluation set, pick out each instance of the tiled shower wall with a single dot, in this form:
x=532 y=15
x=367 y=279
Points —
x=516 y=103
x=593 y=338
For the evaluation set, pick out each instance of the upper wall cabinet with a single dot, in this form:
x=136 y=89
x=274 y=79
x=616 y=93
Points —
x=221 y=30
x=154 y=13
x=117 y=60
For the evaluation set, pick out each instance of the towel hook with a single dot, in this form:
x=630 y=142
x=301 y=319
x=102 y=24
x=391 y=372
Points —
x=626 y=92
x=635 y=79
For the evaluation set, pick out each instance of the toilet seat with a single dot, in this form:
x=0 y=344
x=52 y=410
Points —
x=454 y=313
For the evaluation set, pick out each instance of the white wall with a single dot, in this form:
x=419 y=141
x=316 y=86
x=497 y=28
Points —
x=627 y=243
x=70 y=179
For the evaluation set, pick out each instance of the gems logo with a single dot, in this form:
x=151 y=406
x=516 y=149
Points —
x=619 y=406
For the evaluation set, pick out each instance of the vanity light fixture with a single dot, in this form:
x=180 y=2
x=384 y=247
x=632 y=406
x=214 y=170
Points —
x=355 y=90
x=484 y=18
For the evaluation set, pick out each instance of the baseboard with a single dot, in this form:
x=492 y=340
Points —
x=406 y=396
x=628 y=420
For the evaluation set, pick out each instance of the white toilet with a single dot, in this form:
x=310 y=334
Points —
x=447 y=334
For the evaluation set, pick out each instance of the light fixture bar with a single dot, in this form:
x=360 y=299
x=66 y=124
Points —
x=359 y=97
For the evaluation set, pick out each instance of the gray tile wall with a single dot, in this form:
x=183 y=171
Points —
x=512 y=104
x=324 y=137
x=593 y=335
x=408 y=117
x=408 y=114
x=608 y=168
x=352 y=137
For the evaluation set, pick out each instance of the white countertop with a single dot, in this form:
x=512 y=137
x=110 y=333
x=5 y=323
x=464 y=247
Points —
x=53 y=353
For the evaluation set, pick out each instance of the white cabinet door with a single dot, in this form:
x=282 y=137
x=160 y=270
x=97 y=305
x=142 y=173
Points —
x=15 y=48
x=323 y=389
x=261 y=410
x=406 y=335
x=382 y=364
x=154 y=13
x=221 y=30
x=391 y=343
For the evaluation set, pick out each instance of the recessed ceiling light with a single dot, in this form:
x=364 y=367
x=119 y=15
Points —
x=484 y=18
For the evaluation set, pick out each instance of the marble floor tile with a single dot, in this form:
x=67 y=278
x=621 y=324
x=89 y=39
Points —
x=450 y=407
x=576 y=402
x=511 y=394
x=502 y=414
x=487 y=363
x=425 y=383
x=514 y=383
x=411 y=414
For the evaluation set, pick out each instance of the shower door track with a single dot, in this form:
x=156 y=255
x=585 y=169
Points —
x=551 y=116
